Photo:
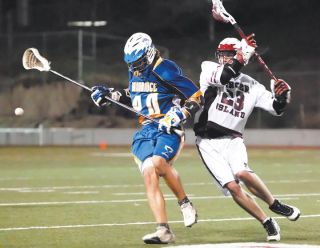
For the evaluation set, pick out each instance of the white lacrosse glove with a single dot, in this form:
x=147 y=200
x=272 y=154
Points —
x=246 y=50
x=173 y=118
x=281 y=90
x=99 y=93
x=218 y=11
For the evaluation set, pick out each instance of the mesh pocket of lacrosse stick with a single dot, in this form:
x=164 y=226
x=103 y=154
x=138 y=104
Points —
x=32 y=59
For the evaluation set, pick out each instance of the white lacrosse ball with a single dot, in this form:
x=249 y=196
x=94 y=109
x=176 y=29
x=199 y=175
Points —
x=19 y=111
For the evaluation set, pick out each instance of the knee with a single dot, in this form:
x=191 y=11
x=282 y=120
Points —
x=234 y=188
x=160 y=165
x=151 y=179
x=243 y=175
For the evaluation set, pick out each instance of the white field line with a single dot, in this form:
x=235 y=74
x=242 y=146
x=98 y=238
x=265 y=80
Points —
x=125 y=194
x=245 y=245
x=172 y=198
x=125 y=154
x=107 y=186
x=134 y=223
x=74 y=187
x=81 y=192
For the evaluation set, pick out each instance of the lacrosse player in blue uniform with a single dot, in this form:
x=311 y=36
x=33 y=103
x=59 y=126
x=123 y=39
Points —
x=157 y=89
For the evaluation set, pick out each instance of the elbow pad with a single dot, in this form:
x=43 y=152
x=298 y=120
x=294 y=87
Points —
x=122 y=96
x=192 y=105
x=230 y=70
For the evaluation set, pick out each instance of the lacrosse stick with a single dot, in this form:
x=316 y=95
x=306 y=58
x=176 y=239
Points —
x=32 y=59
x=220 y=14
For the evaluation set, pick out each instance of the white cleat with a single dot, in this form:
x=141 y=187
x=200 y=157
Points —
x=295 y=213
x=161 y=236
x=273 y=230
x=189 y=213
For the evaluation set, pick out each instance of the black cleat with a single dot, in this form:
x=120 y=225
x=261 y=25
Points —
x=292 y=213
x=273 y=230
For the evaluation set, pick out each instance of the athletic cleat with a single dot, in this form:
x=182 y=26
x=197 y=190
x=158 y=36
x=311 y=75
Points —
x=189 y=213
x=161 y=236
x=292 y=213
x=273 y=230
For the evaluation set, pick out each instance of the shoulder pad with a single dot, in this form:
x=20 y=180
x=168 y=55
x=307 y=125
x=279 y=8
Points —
x=246 y=78
x=209 y=65
x=167 y=69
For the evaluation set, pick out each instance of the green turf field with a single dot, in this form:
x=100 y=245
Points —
x=86 y=197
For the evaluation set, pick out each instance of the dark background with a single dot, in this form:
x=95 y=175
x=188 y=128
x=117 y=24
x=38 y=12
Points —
x=287 y=32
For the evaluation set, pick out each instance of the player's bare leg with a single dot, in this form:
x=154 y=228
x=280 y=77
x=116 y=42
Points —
x=245 y=201
x=163 y=234
x=170 y=176
x=173 y=181
x=154 y=194
x=257 y=187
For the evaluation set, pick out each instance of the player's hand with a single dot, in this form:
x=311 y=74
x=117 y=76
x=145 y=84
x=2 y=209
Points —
x=172 y=119
x=281 y=90
x=99 y=93
x=246 y=50
x=251 y=41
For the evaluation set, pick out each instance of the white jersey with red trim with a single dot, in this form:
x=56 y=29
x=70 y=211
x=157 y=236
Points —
x=236 y=100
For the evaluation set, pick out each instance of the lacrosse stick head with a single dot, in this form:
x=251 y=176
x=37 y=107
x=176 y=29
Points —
x=32 y=59
x=219 y=13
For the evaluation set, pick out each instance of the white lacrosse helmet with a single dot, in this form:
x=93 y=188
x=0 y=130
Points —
x=139 y=52
x=227 y=48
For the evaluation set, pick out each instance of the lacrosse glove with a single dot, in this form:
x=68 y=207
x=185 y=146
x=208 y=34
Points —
x=173 y=118
x=99 y=93
x=246 y=50
x=281 y=90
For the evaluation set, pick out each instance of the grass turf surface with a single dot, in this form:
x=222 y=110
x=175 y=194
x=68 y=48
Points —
x=84 y=197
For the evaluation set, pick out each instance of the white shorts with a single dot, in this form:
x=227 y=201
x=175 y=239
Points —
x=223 y=157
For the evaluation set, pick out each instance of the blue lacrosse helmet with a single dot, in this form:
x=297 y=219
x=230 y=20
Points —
x=139 y=52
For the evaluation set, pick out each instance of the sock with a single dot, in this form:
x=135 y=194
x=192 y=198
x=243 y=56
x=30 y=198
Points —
x=166 y=225
x=268 y=218
x=183 y=201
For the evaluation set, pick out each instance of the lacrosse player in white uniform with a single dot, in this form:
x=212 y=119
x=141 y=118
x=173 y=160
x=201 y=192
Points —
x=230 y=97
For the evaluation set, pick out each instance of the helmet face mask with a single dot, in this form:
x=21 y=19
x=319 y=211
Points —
x=139 y=65
x=227 y=49
x=139 y=52
x=224 y=56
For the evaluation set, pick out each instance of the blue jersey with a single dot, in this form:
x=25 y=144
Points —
x=154 y=91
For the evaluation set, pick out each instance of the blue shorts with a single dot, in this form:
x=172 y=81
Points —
x=149 y=141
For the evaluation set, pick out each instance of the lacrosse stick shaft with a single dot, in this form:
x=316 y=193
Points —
x=177 y=131
x=260 y=60
x=70 y=80
x=108 y=98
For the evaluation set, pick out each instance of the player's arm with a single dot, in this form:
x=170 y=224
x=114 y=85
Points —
x=231 y=69
x=177 y=115
x=171 y=75
x=99 y=94
x=192 y=104
x=281 y=92
x=275 y=101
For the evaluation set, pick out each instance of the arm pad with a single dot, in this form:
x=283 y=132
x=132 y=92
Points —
x=230 y=70
x=122 y=96
x=279 y=106
x=193 y=104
